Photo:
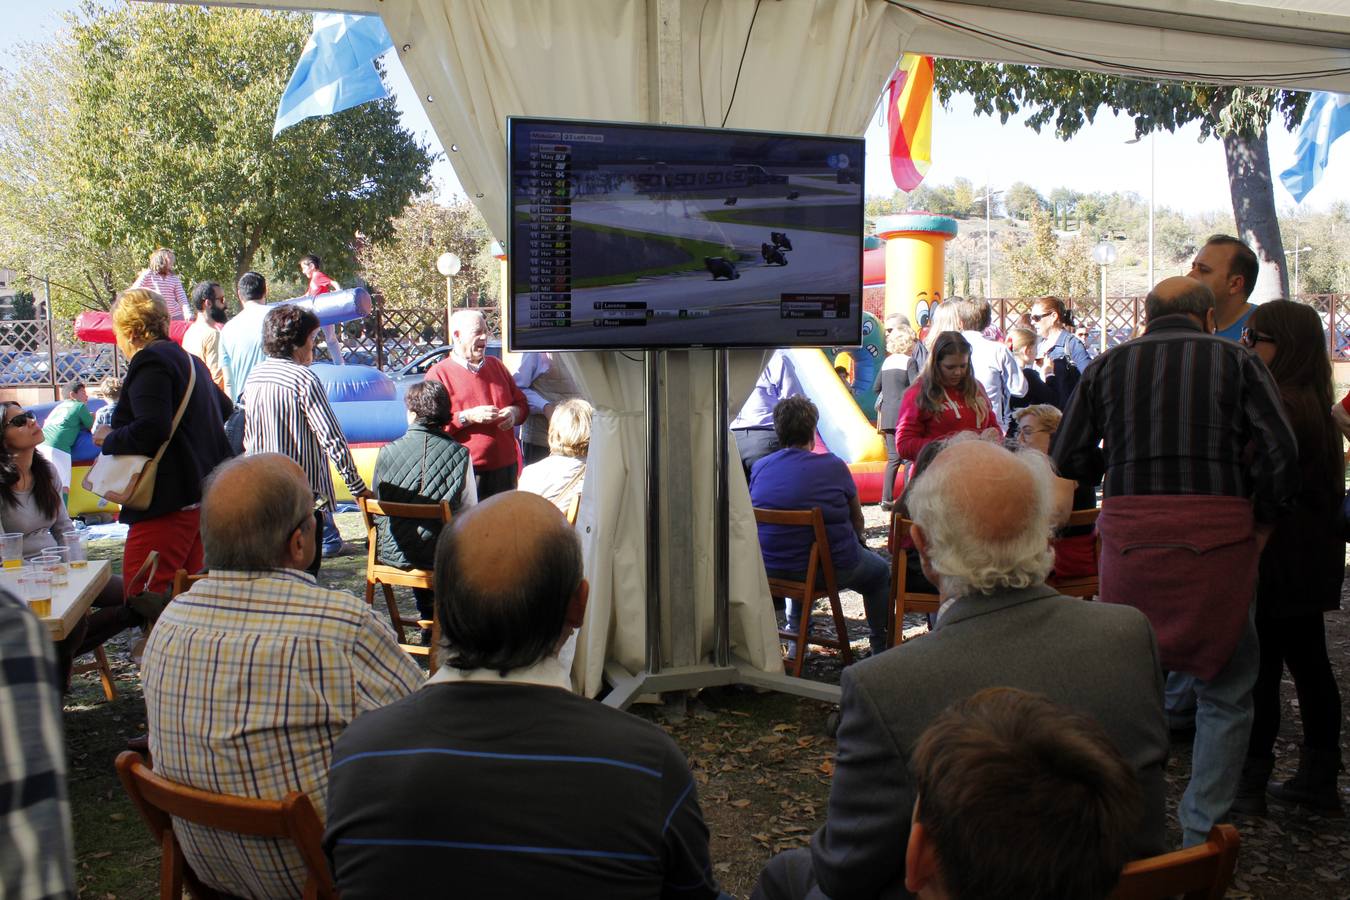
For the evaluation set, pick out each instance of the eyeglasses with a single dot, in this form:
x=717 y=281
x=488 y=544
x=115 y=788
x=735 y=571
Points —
x=1036 y=317
x=320 y=504
x=1251 y=338
x=21 y=419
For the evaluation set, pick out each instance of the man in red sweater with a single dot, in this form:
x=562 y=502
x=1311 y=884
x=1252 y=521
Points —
x=485 y=404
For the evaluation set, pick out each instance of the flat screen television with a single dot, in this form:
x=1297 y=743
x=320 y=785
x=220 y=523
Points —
x=632 y=236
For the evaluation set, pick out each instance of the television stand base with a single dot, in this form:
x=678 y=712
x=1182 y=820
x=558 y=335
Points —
x=626 y=687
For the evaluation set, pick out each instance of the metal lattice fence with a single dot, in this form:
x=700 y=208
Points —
x=42 y=354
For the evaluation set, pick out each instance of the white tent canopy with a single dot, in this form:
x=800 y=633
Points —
x=789 y=65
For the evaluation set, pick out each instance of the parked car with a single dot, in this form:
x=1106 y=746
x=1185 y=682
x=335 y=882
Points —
x=416 y=370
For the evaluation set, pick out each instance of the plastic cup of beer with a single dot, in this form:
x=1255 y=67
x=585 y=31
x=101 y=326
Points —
x=38 y=583
x=56 y=561
x=11 y=543
x=78 y=546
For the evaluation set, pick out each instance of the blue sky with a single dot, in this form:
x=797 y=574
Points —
x=1190 y=174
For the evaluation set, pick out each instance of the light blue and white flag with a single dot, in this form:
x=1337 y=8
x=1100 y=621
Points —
x=1327 y=118
x=336 y=70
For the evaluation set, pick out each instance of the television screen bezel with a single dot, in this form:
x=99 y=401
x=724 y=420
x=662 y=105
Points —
x=508 y=317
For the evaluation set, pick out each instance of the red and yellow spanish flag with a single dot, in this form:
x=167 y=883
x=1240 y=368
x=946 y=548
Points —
x=909 y=114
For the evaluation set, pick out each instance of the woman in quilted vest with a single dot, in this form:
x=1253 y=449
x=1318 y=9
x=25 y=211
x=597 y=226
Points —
x=423 y=466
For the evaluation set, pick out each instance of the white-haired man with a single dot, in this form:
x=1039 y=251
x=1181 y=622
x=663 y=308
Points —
x=485 y=403
x=982 y=519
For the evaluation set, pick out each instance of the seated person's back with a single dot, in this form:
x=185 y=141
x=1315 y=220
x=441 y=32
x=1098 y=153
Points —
x=250 y=677
x=559 y=476
x=494 y=778
x=424 y=466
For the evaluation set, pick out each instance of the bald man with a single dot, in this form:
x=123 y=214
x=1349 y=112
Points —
x=251 y=675
x=495 y=779
x=1186 y=432
x=982 y=519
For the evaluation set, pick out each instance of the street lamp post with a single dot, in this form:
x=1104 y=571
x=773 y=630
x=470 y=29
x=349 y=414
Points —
x=1296 y=254
x=1152 y=182
x=988 y=199
x=1103 y=255
x=448 y=265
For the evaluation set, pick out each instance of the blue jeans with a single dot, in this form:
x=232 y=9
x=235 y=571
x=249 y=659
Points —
x=869 y=576
x=1223 y=724
x=1179 y=695
x=332 y=538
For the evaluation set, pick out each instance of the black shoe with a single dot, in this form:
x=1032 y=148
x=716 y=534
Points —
x=1314 y=785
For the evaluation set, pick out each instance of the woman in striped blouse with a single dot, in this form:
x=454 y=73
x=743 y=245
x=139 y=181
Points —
x=288 y=410
x=162 y=279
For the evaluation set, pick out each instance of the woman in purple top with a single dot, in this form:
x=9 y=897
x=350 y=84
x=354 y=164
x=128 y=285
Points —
x=797 y=478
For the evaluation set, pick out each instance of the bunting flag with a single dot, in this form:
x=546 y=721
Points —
x=1327 y=118
x=909 y=115
x=336 y=70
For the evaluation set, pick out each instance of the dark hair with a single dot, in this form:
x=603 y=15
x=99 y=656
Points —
x=252 y=286
x=511 y=624
x=1022 y=797
x=314 y=260
x=933 y=396
x=71 y=388
x=203 y=292
x=286 y=329
x=1302 y=371
x=986 y=314
x=1244 y=261
x=429 y=402
x=1196 y=300
x=46 y=483
x=918 y=467
x=1065 y=320
x=794 y=421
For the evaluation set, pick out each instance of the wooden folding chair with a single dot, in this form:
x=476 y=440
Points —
x=99 y=665
x=819 y=582
x=386 y=576
x=182 y=581
x=1086 y=586
x=159 y=801
x=904 y=600
x=1196 y=873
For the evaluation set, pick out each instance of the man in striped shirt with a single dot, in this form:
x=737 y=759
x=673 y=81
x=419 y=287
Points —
x=494 y=779
x=1197 y=461
x=251 y=676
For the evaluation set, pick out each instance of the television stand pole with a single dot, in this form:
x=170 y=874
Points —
x=722 y=668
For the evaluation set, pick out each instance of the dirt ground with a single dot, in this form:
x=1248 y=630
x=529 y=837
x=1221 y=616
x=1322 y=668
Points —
x=762 y=762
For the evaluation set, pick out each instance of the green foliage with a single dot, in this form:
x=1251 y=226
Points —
x=1070 y=99
x=1045 y=264
x=403 y=266
x=23 y=305
x=1022 y=200
x=960 y=199
x=160 y=119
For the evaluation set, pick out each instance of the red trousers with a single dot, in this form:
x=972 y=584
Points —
x=178 y=538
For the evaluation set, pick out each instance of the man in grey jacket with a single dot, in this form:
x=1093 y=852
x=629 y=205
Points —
x=981 y=526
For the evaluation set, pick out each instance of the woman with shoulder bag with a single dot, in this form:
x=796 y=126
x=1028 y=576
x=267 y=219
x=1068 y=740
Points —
x=162 y=377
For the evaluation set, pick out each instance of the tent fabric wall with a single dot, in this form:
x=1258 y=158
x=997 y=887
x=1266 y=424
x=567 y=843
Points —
x=494 y=58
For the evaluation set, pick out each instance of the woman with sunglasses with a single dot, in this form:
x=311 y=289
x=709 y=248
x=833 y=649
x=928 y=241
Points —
x=1050 y=317
x=946 y=399
x=30 y=503
x=1301 y=570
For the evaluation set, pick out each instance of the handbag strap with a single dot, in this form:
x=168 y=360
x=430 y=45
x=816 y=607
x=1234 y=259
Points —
x=182 y=408
x=152 y=563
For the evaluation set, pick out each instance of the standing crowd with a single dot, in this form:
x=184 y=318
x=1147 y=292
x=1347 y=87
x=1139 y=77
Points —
x=1031 y=764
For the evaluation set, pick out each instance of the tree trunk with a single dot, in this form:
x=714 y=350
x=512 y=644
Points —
x=1254 y=211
